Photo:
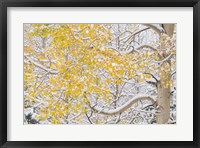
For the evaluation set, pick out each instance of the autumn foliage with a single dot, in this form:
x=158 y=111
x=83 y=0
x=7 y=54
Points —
x=75 y=73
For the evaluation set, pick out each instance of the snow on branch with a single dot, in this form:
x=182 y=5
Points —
x=143 y=46
x=156 y=28
x=124 y=107
x=166 y=59
x=173 y=73
x=137 y=32
x=154 y=77
x=41 y=66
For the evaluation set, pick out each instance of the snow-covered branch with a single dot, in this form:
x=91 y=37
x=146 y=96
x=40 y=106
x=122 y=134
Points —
x=173 y=73
x=124 y=107
x=143 y=46
x=41 y=66
x=152 y=76
x=166 y=59
x=156 y=28
x=139 y=31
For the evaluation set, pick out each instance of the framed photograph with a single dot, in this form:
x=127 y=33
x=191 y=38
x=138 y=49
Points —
x=99 y=73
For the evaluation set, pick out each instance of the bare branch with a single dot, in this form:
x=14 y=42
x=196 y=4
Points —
x=88 y=117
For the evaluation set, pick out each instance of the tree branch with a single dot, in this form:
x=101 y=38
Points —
x=166 y=59
x=143 y=46
x=173 y=73
x=123 y=107
x=139 y=31
x=157 y=29
x=41 y=66
x=152 y=76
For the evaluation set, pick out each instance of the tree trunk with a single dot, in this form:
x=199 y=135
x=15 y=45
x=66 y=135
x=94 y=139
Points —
x=163 y=100
x=169 y=29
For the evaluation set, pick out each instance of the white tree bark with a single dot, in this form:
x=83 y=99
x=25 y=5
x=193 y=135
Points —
x=163 y=99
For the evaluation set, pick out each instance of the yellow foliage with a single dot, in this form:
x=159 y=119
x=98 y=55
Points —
x=78 y=64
